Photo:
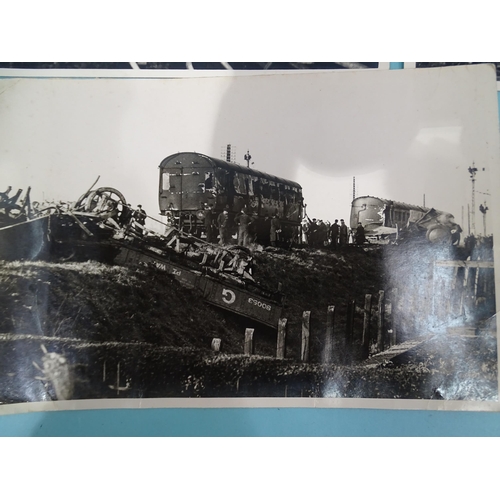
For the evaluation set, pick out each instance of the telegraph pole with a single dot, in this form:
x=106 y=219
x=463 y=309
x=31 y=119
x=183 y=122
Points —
x=472 y=172
x=353 y=188
x=483 y=209
x=227 y=153
x=247 y=158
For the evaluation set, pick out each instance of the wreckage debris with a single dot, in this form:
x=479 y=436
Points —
x=100 y=225
x=12 y=209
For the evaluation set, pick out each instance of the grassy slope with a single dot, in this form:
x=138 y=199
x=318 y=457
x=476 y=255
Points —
x=164 y=332
x=100 y=302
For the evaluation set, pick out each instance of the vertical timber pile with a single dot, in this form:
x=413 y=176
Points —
x=281 y=344
x=394 y=313
x=380 y=323
x=249 y=346
x=367 y=316
x=304 y=352
x=330 y=319
x=349 y=330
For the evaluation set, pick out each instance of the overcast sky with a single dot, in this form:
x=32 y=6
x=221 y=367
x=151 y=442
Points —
x=402 y=134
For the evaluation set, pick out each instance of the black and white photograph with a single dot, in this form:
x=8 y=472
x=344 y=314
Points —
x=309 y=238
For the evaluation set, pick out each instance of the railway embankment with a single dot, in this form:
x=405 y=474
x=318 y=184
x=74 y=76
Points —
x=136 y=332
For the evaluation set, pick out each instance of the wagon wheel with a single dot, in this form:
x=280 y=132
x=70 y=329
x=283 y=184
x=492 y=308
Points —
x=81 y=202
x=84 y=196
x=98 y=201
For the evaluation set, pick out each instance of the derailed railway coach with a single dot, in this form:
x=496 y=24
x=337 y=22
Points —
x=386 y=220
x=189 y=182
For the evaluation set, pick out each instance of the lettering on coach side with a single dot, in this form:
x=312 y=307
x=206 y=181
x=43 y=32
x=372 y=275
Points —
x=258 y=303
x=228 y=296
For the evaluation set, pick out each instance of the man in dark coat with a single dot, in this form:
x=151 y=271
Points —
x=343 y=234
x=334 y=234
x=126 y=215
x=223 y=225
x=312 y=235
x=140 y=215
x=209 y=223
x=243 y=221
x=322 y=234
x=275 y=230
x=139 y=219
x=359 y=236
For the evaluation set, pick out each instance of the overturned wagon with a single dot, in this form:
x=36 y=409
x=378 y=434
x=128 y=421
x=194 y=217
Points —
x=250 y=301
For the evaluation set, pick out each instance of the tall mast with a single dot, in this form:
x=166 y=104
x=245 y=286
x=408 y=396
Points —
x=247 y=158
x=483 y=209
x=472 y=172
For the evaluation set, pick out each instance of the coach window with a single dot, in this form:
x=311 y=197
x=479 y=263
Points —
x=254 y=182
x=221 y=181
x=274 y=190
x=249 y=185
x=281 y=192
x=239 y=183
x=265 y=189
x=165 y=185
x=209 y=180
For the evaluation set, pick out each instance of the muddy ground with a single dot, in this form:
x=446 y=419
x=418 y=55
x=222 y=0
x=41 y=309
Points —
x=128 y=332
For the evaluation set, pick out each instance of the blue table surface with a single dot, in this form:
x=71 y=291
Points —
x=251 y=422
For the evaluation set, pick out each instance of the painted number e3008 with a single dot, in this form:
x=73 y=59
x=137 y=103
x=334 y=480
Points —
x=258 y=303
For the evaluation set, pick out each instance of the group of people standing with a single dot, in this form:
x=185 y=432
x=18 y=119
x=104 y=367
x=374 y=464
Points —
x=224 y=226
x=214 y=224
x=315 y=233
x=244 y=223
x=134 y=219
x=319 y=234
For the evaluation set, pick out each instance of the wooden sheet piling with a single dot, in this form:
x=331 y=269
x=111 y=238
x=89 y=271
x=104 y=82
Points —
x=367 y=315
x=304 y=352
x=249 y=345
x=380 y=322
x=281 y=344
x=330 y=320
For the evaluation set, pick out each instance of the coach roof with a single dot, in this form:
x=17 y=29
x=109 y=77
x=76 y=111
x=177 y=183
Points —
x=215 y=162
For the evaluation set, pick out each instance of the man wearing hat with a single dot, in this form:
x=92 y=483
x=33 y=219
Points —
x=334 y=234
x=243 y=221
x=359 y=236
x=223 y=225
x=343 y=234
x=208 y=222
x=139 y=219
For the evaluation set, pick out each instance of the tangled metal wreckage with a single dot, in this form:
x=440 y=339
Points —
x=101 y=226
